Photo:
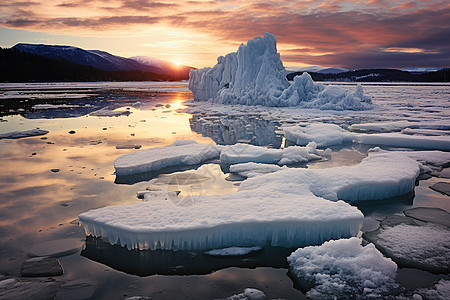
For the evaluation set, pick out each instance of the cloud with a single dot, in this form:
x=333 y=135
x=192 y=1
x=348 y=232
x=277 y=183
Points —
x=332 y=32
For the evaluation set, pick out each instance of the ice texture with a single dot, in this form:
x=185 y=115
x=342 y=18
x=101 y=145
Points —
x=343 y=269
x=182 y=152
x=255 y=75
x=404 y=140
x=108 y=112
x=242 y=153
x=22 y=134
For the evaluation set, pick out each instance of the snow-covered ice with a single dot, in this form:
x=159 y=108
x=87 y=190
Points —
x=233 y=251
x=440 y=291
x=182 y=152
x=22 y=134
x=107 y=112
x=343 y=269
x=252 y=169
x=322 y=134
x=242 y=153
x=255 y=75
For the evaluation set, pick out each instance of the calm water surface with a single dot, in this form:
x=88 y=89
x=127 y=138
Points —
x=39 y=205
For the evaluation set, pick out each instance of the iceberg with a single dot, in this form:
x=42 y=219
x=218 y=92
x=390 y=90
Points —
x=255 y=75
x=343 y=269
x=182 y=152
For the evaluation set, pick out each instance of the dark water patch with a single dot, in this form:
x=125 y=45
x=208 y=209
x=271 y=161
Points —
x=164 y=262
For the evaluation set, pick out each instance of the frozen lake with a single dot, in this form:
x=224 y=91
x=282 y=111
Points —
x=48 y=180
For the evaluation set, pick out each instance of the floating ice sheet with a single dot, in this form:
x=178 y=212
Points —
x=252 y=169
x=182 y=152
x=343 y=269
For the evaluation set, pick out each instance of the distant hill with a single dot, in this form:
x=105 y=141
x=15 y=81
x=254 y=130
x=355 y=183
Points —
x=69 y=63
x=379 y=75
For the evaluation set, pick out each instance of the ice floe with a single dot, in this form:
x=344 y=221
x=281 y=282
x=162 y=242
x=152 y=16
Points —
x=107 y=112
x=182 y=152
x=343 y=269
x=415 y=245
x=242 y=153
x=440 y=291
x=22 y=134
x=332 y=134
x=255 y=75
x=252 y=169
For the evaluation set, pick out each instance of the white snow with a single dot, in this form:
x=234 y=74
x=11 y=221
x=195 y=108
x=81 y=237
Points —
x=182 y=152
x=53 y=106
x=252 y=169
x=343 y=269
x=242 y=153
x=233 y=251
x=22 y=134
x=255 y=75
x=248 y=294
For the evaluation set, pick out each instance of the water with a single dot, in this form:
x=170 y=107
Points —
x=38 y=205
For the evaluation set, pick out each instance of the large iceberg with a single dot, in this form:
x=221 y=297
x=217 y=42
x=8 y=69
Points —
x=255 y=75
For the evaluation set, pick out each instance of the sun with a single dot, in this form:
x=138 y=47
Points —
x=176 y=63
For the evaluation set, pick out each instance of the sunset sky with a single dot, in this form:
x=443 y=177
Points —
x=350 y=34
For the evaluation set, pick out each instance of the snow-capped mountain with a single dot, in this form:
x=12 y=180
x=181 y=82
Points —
x=101 y=59
x=317 y=69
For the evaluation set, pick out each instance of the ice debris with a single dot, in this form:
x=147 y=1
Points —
x=22 y=134
x=248 y=294
x=255 y=75
x=108 y=112
x=182 y=152
x=343 y=269
x=440 y=291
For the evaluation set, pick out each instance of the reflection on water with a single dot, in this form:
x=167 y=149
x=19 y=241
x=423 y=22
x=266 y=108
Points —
x=146 y=262
x=226 y=130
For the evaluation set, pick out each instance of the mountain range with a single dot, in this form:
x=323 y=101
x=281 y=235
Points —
x=100 y=64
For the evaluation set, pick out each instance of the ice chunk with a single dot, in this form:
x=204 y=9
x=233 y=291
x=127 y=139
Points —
x=252 y=169
x=233 y=251
x=53 y=106
x=322 y=134
x=242 y=153
x=255 y=75
x=343 y=269
x=424 y=247
x=182 y=152
x=248 y=294
x=22 y=134
x=441 y=187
